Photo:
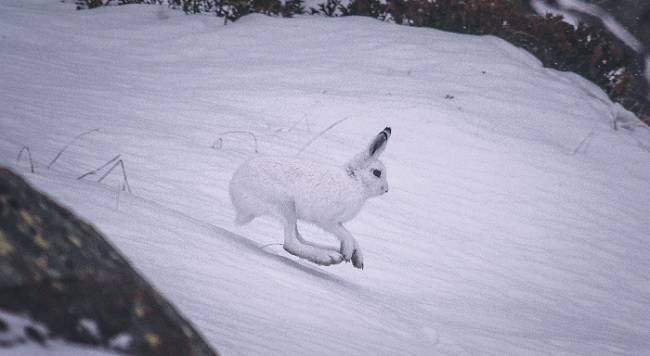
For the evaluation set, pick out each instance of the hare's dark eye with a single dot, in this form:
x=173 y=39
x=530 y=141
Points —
x=376 y=173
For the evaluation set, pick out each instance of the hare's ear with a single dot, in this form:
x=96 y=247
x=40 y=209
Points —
x=374 y=149
x=378 y=145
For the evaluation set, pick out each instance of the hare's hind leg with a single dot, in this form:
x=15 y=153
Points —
x=247 y=206
x=293 y=242
x=244 y=215
x=349 y=246
x=313 y=244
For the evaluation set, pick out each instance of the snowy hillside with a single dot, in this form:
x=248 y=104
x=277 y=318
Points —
x=516 y=222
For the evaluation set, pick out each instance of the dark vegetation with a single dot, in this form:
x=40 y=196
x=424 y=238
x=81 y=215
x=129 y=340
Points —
x=589 y=50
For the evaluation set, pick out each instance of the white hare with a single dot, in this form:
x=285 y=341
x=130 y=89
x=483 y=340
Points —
x=290 y=189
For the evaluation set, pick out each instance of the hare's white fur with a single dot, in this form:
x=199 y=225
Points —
x=290 y=189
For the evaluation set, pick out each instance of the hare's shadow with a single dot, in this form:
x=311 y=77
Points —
x=312 y=270
x=294 y=263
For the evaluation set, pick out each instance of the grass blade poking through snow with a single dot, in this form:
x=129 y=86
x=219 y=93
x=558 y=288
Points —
x=29 y=154
x=319 y=135
x=116 y=161
x=94 y=171
x=126 y=181
x=68 y=145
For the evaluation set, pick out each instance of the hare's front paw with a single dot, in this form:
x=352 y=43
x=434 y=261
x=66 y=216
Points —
x=357 y=259
x=347 y=250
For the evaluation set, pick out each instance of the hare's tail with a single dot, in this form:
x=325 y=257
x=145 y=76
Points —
x=243 y=219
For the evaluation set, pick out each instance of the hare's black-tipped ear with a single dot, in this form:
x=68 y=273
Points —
x=378 y=145
x=375 y=148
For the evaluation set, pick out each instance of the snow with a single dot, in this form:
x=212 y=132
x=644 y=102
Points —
x=23 y=346
x=89 y=327
x=15 y=326
x=516 y=222
x=55 y=348
x=542 y=8
x=120 y=342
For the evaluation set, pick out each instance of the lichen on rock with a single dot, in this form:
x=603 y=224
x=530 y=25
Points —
x=63 y=274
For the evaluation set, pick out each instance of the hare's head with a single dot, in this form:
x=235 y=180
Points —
x=368 y=168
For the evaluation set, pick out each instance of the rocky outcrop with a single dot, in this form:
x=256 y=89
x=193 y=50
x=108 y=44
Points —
x=64 y=275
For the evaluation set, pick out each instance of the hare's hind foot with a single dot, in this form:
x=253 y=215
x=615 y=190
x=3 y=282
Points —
x=357 y=259
x=323 y=257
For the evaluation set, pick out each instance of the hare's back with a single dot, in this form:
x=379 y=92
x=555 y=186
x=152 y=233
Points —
x=264 y=177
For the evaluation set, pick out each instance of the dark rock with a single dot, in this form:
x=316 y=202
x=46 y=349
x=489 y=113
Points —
x=89 y=4
x=62 y=273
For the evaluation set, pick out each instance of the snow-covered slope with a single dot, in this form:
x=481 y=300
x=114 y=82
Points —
x=516 y=223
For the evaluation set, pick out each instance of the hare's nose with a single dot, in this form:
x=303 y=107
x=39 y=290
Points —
x=385 y=189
